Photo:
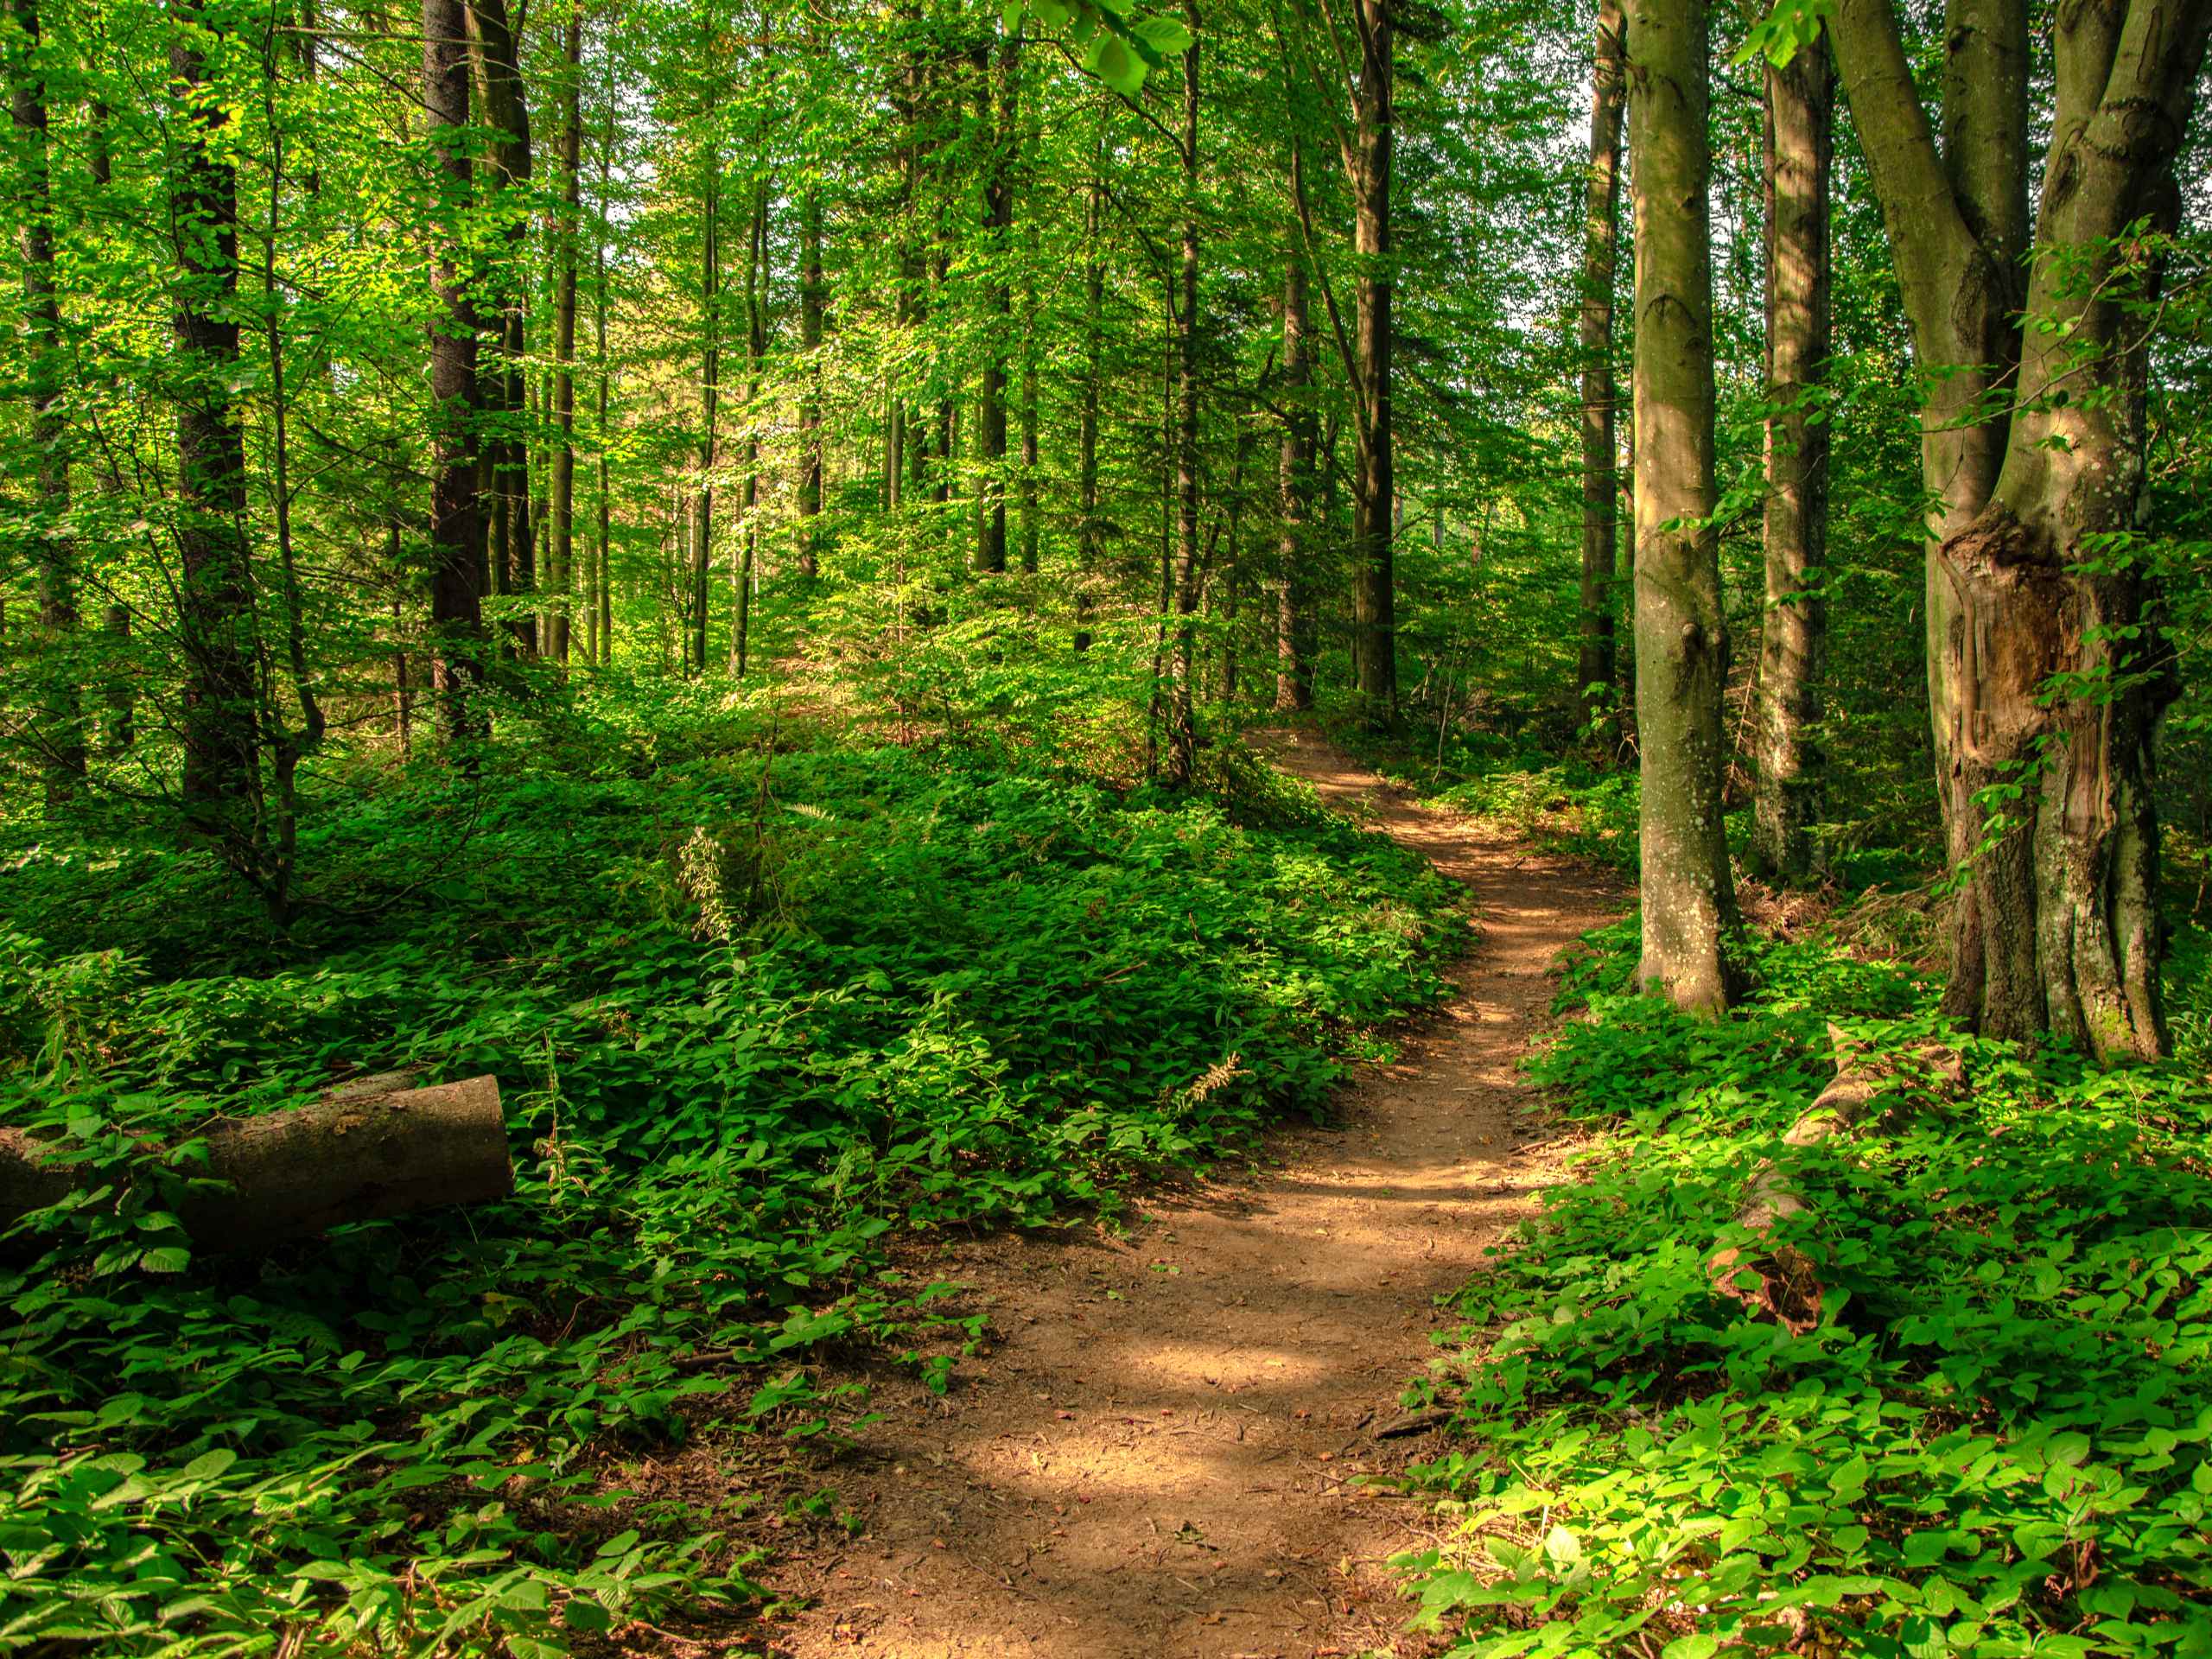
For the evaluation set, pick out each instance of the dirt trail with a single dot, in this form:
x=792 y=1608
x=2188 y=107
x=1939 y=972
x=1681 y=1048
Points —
x=1156 y=1458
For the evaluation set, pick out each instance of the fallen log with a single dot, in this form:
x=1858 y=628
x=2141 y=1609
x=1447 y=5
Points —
x=1786 y=1287
x=374 y=1148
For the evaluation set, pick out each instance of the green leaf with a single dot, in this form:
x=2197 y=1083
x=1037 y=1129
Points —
x=166 y=1258
x=1112 y=61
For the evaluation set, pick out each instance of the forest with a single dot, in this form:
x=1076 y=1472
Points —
x=1259 y=828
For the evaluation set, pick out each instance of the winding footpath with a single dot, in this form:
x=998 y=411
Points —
x=1157 y=1458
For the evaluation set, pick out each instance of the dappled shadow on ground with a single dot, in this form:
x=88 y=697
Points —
x=1161 y=1453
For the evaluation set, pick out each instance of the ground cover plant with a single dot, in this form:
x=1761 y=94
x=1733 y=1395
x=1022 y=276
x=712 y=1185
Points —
x=1997 y=1439
x=765 y=1003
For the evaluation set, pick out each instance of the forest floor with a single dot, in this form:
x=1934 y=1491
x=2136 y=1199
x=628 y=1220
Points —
x=1160 y=1452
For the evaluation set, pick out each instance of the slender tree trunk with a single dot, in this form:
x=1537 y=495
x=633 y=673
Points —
x=605 y=555
x=756 y=352
x=215 y=596
x=710 y=283
x=1792 y=780
x=1183 y=733
x=1090 y=532
x=998 y=239
x=505 y=110
x=1595 y=670
x=1374 y=628
x=456 y=524
x=811 y=298
x=1294 y=582
x=1682 y=643
x=61 y=717
x=564 y=330
x=121 y=676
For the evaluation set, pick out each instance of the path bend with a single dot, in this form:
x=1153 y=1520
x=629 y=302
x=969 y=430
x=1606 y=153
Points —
x=1156 y=1460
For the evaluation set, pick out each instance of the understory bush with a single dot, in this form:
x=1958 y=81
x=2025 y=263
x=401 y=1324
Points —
x=762 y=1004
x=1997 y=1440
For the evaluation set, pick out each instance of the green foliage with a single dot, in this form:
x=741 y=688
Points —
x=760 y=1006
x=1997 y=1442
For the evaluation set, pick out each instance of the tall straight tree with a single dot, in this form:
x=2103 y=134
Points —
x=1183 y=733
x=1294 y=477
x=1682 y=642
x=1597 y=664
x=2046 y=671
x=1792 y=779
x=215 y=592
x=1374 y=626
x=60 y=736
x=503 y=403
x=1000 y=123
x=811 y=299
x=568 y=250
x=456 y=522
x=710 y=390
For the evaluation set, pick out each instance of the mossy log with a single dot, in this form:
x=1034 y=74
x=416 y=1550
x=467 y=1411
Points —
x=1787 y=1288
x=375 y=1147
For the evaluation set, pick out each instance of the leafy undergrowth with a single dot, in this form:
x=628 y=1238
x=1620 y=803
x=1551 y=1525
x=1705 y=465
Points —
x=1997 y=1442
x=756 y=1019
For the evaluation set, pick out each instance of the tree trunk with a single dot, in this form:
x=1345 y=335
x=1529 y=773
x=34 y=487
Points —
x=456 y=522
x=998 y=240
x=1957 y=222
x=505 y=110
x=1374 y=627
x=756 y=352
x=605 y=582
x=373 y=1148
x=1790 y=795
x=1681 y=644
x=1294 y=582
x=811 y=296
x=1595 y=670
x=2057 y=670
x=703 y=524
x=1090 y=532
x=215 y=597
x=61 y=731
x=1183 y=731
x=564 y=332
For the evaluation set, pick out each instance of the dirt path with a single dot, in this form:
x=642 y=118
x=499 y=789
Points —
x=1157 y=1458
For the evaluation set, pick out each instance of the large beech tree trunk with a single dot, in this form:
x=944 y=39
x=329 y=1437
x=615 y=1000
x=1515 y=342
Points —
x=376 y=1148
x=1792 y=779
x=1294 y=582
x=1375 y=622
x=1595 y=666
x=2058 y=684
x=1958 y=227
x=1682 y=643
x=2041 y=679
x=215 y=596
x=456 y=524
